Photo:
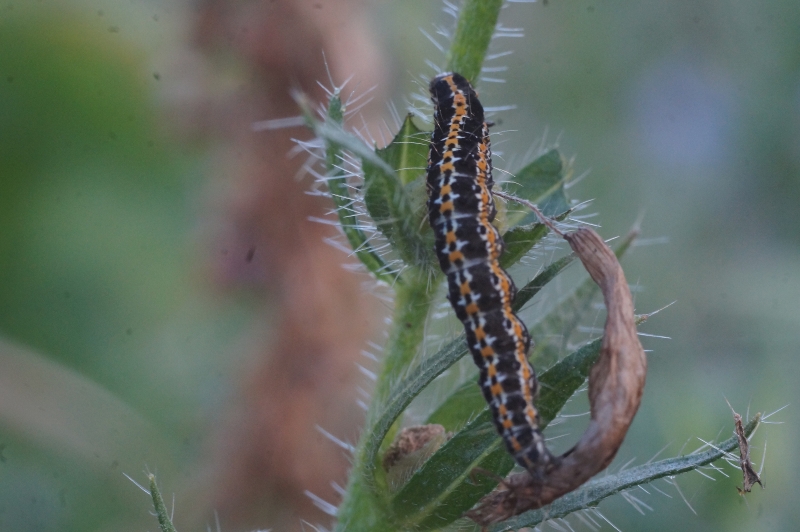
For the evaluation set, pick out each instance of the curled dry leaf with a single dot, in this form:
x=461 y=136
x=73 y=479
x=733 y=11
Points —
x=749 y=476
x=616 y=383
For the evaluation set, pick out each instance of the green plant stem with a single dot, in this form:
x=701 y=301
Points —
x=366 y=500
x=476 y=23
x=164 y=521
x=412 y=301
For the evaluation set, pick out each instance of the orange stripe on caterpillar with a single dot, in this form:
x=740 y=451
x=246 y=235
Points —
x=461 y=210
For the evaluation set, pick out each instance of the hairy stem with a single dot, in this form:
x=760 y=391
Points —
x=476 y=23
x=366 y=500
x=164 y=521
x=365 y=506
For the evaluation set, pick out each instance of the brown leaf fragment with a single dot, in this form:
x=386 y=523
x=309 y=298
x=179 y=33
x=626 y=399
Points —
x=411 y=440
x=616 y=383
x=749 y=476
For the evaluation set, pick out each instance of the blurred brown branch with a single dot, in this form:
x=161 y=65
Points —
x=268 y=450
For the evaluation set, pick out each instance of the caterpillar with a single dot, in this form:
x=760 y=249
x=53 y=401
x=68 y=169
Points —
x=461 y=210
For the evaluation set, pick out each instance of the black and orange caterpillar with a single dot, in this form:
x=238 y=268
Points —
x=461 y=210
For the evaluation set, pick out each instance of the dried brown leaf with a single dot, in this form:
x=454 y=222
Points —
x=749 y=476
x=616 y=383
x=411 y=440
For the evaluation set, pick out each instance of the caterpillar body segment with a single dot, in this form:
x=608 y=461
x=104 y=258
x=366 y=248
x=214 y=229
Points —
x=461 y=210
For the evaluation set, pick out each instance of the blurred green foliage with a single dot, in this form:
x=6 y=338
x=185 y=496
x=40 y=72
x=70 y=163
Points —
x=96 y=270
x=90 y=194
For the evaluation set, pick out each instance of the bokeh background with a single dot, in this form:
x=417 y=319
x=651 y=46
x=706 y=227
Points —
x=167 y=306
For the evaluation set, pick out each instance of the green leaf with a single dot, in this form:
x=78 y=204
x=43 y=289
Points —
x=597 y=489
x=459 y=407
x=408 y=152
x=402 y=393
x=387 y=199
x=386 y=171
x=518 y=241
x=533 y=287
x=331 y=131
x=521 y=239
x=441 y=490
x=413 y=300
x=426 y=502
x=340 y=194
x=541 y=182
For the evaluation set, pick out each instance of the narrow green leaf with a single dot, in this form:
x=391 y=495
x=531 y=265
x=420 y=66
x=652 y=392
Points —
x=412 y=302
x=460 y=406
x=441 y=490
x=427 y=504
x=597 y=489
x=164 y=521
x=541 y=182
x=384 y=193
x=558 y=383
x=353 y=144
x=401 y=394
x=331 y=131
x=521 y=239
x=340 y=194
x=533 y=287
